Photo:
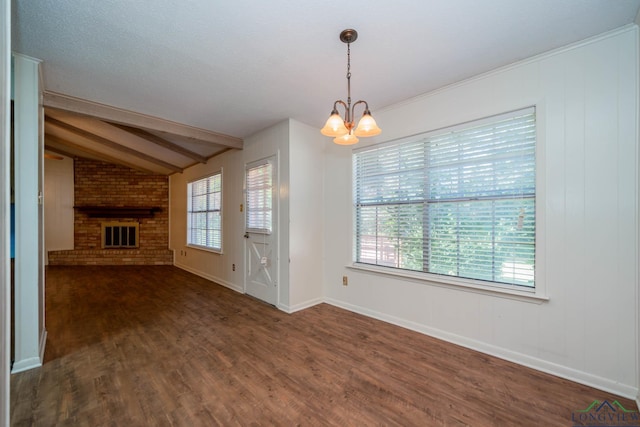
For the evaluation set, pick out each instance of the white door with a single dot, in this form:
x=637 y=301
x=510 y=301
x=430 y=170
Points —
x=261 y=243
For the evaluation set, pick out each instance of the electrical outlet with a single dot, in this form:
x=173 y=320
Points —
x=233 y=267
x=345 y=281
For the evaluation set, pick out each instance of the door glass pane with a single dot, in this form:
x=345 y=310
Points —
x=259 y=198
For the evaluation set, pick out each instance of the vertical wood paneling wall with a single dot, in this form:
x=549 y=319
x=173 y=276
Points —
x=586 y=97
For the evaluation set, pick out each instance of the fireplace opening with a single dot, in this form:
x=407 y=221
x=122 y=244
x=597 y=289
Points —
x=120 y=235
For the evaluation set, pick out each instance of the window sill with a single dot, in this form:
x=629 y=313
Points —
x=466 y=285
x=205 y=249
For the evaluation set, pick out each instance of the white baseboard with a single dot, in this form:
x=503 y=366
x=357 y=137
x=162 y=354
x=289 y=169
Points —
x=284 y=307
x=301 y=306
x=26 y=364
x=581 y=377
x=32 y=362
x=211 y=277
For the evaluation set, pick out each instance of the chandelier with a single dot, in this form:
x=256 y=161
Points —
x=342 y=129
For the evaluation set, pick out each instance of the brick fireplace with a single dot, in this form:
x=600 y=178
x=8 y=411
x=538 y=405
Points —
x=107 y=193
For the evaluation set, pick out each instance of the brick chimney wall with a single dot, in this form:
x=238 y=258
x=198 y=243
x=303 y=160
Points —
x=104 y=184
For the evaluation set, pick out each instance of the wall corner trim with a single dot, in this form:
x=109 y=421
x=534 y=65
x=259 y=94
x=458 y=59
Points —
x=43 y=345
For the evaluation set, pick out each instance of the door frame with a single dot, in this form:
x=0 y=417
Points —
x=5 y=273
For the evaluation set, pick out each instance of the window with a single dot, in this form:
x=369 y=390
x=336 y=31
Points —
x=204 y=212
x=259 y=198
x=457 y=202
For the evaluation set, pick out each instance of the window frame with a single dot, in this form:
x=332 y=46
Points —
x=189 y=211
x=537 y=293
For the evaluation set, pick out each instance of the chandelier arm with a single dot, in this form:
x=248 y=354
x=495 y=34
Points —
x=341 y=102
x=353 y=108
x=346 y=110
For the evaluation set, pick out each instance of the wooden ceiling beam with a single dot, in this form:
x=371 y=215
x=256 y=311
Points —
x=148 y=136
x=111 y=144
x=131 y=118
x=52 y=139
x=59 y=150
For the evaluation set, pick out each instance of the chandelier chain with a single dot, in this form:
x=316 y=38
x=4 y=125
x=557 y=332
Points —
x=348 y=82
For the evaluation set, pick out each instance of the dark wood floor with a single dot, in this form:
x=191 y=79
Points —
x=146 y=346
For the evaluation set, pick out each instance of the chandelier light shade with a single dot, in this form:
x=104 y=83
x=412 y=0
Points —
x=335 y=125
x=343 y=129
x=346 y=139
x=367 y=126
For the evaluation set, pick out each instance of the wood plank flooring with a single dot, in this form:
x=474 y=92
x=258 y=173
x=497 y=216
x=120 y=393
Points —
x=157 y=346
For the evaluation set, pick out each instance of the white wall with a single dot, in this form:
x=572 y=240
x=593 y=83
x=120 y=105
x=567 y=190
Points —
x=586 y=98
x=58 y=204
x=213 y=266
x=306 y=226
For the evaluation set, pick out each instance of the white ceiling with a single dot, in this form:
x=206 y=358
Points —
x=235 y=67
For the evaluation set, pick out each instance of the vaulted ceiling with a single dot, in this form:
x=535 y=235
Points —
x=165 y=84
x=77 y=128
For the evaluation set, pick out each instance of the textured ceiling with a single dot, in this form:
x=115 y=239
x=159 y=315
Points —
x=236 y=67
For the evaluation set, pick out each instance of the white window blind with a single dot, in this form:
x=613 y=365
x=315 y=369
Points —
x=204 y=212
x=260 y=198
x=457 y=202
